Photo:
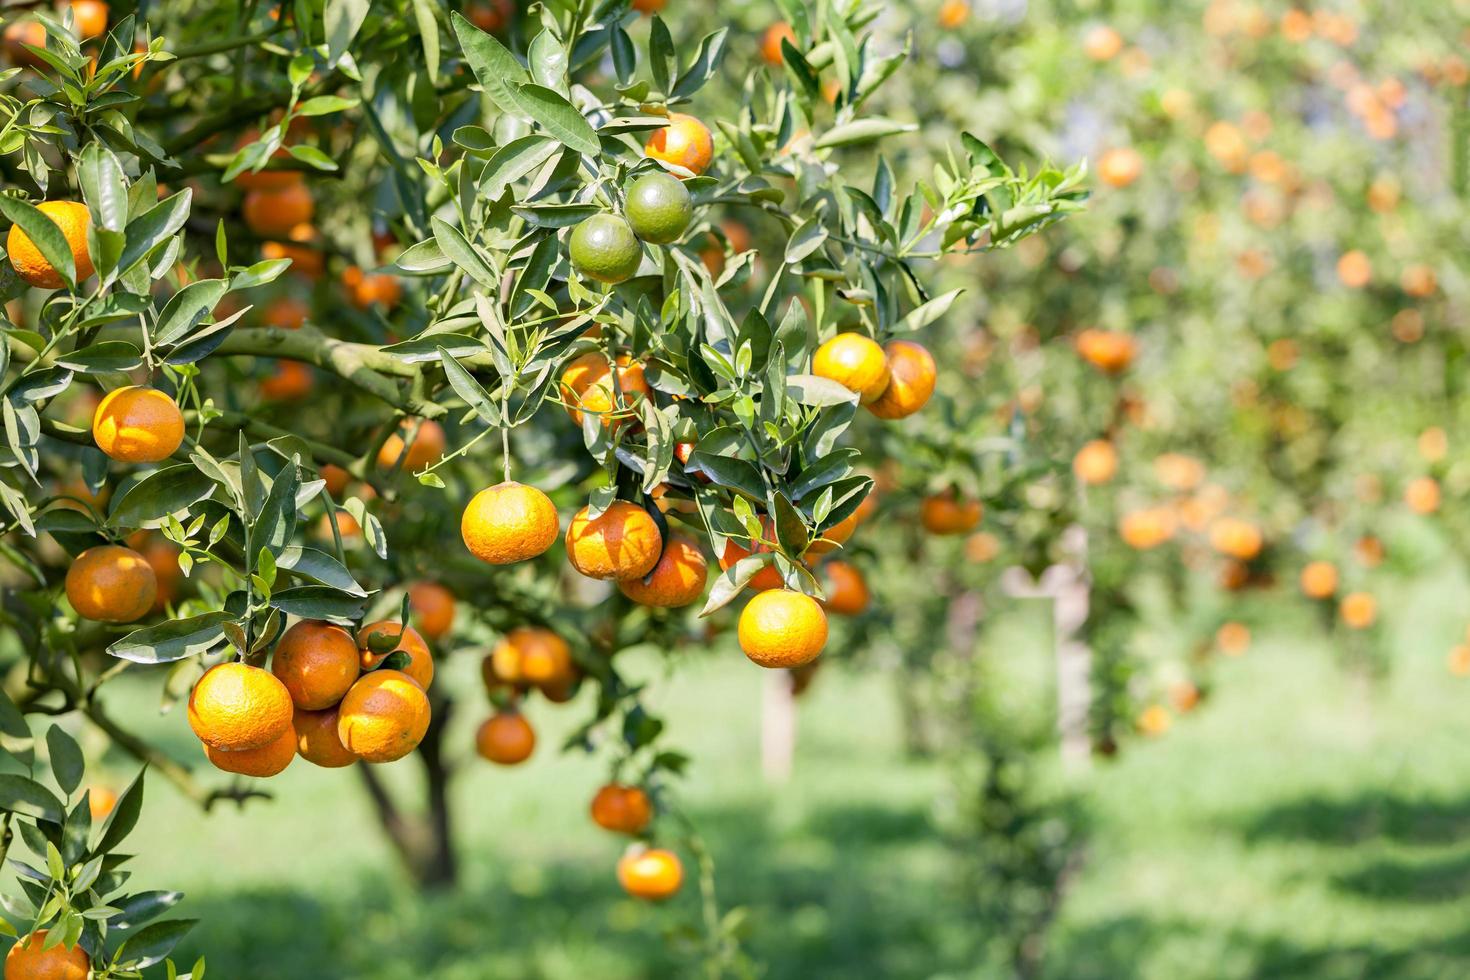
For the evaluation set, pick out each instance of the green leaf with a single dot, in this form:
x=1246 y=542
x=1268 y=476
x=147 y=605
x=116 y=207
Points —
x=313 y=157
x=815 y=392
x=560 y=118
x=67 y=764
x=319 y=602
x=12 y=722
x=145 y=232
x=515 y=160
x=170 y=490
x=103 y=186
x=862 y=131
x=806 y=239
x=323 y=105
x=465 y=385
x=423 y=15
x=729 y=472
x=187 y=308
x=172 y=640
x=154 y=942
x=124 y=817
x=44 y=233
x=926 y=314
x=259 y=274
x=453 y=244
x=728 y=585
x=342 y=20
x=134 y=910
x=29 y=798
x=104 y=358
x=320 y=567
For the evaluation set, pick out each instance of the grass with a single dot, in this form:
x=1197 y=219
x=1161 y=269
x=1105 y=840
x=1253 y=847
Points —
x=1305 y=822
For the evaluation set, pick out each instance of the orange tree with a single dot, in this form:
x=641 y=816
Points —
x=324 y=314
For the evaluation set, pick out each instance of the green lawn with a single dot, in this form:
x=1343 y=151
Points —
x=1303 y=823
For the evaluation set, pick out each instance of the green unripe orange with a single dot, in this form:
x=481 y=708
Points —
x=659 y=208
x=603 y=247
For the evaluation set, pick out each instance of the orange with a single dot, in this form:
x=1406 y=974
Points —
x=1107 y=350
x=1236 y=538
x=1096 y=462
x=1358 y=610
x=286 y=313
x=1433 y=444
x=782 y=628
x=650 y=873
x=646 y=7
x=533 y=655
x=1459 y=660
x=509 y=522
x=1185 y=696
x=19 y=32
x=771 y=42
x=847 y=591
x=945 y=513
x=1369 y=551
x=28 y=961
x=1422 y=495
x=427 y=446
x=1354 y=269
x=305 y=260
x=835 y=536
x=1102 y=43
x=73 y=218
x=433 y=608
x=371 y=289
x=588 y=385
x=336 y=478
x=90 y=18
x=100 y=801
x=621 y=543
x=677 y=580
x=1233 y=639
x=911 y=376
x=420 y=666
x=1154 y=720
x=1319 y=579
x=1296 y=26
x=953 y=14
x=318 y=740
x=235 y=707
x=276 y=212
x=1147 y=528
x=291 y=381
x=491 y=16
x=622 y=809
x=855 y=362
x=684 y=142
x=269 y=760
x=111 y=584
x=769 y=577
x=982 y=547
x=137 y=425
x=383 y=717
x=317 y=662
x=1179 y=472
x=1120 y=166
x=506 y=738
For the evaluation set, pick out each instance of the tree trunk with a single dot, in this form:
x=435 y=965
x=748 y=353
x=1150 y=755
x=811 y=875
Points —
x=778 y=726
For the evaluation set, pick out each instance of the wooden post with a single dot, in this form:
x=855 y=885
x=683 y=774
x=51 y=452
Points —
x=778 y=726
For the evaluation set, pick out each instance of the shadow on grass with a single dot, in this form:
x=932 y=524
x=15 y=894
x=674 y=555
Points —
x=1115 y=950
x=852 y=891
x=1368 y=815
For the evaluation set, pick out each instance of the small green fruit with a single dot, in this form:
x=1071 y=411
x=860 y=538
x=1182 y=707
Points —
x=604 y=248
x=659 y=208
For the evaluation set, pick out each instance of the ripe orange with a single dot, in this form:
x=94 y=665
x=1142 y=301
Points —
x=771 y=42
x=506 y=738
x=1459 y=660
x=533 y=655
x=73 y=218
x=420 y=665
x=19 y=32
x=286 y=313
x=945 y=513
x=1179 y=472
x=1419 y=281
x=588 y=385
x=1319 y=579
x=1359 y=610
x=1147 y=528
x=982 y=547
x=847 y=591
x=677 y=580
x=291 y=381
x=1120 y=166
x=1102 y=43
x=684 y=142
x=855 y=362
x=336 y=478
x=90 y=18
x=367 y=290
x=269 y=760
x=622 y=543
x=1354 y=269
x=1233 y=639
x=235 y=707
x=1433 y=444
x=1369 y=551
x=911 y=377
x=137 y=425
x=111 y=584
x=953 y=14
x=509 y=522
x=317 y=662
x=1107 y=350
x=650 y=873
x=1184 y=695
x=383 y=717
x=433 y=608
x=278 y=211
x=427 y=446
x=305 y=260
x=622 y=809
x=782 y=628
x=835 y=536
x=1154 y=720
x=1096 y=462
x=491 y=16
x=318 y=740
x=647 y=7
x=1422 y=495
x=1235 y=537
x=28 y=961
x=769 y=577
